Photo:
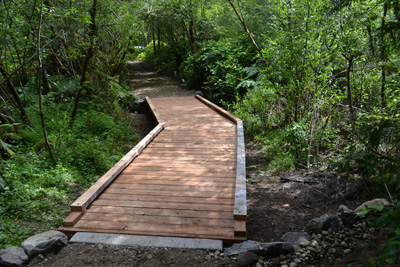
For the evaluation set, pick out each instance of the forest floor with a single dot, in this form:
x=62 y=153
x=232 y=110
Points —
x=277 y=203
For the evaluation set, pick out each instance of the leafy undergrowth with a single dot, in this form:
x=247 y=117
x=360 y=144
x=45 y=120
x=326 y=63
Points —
x=37 y=193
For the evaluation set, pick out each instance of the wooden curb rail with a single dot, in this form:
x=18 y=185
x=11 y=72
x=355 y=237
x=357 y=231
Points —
x=78 y=208
x=240 y=208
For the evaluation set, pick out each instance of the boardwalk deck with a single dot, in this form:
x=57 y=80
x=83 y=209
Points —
x=187 y=182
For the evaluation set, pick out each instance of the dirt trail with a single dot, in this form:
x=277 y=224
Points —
x=147 y=82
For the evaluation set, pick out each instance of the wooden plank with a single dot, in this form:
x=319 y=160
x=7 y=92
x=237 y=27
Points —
x=240 y=211
x=180 y=145
x=154 y=110
x=155 y=228
x=178 y=166
x=227 y=215
x=161 y=193
x=218 y=109
x=175 y=188
x=175 y=182
x=86 y=198
x=73 y=217
x=162 y=221
x=169 y=199
x=162 y=205
x=187 y=160
x=156 y=179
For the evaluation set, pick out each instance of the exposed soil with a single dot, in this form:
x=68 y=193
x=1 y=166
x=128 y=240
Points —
x=277 y=203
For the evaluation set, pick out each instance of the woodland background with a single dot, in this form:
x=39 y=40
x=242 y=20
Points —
x=316 y=83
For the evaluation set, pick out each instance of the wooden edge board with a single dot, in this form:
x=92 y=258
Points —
x=240 y=208
x=218 y=109
x=154 y=110
x=90 y=195
x=239 y=228
x=73 y=217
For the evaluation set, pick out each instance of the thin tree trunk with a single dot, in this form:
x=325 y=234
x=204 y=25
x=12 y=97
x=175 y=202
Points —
x=89 y=55
x=40 y=74
x=353 y=119
x=154 y=41
x=14 y=93
x=248 y=33
x=192 y=39
x=383 y=57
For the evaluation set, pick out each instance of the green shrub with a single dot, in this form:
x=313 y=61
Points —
x=221 y=68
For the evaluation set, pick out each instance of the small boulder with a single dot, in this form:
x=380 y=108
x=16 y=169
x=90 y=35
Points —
x=347 y=215
x=374 y=202
x=326 y=221
x=13 y=256
x=247 y=259
x=267 y=250
x=44 y=243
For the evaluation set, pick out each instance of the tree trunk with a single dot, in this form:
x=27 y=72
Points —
x=248 y=33
x=89 y=55
x=154 y=41
x=383 y=57
x=14 y=93
x=192 y=39
x=41 y=73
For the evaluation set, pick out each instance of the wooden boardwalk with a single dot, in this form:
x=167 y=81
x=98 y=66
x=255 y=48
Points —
x=185 y=179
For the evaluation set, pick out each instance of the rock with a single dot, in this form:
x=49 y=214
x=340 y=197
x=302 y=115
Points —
x=374 y=202
x=208 y=257
x=305 y=243
x=275 y=261
x=13 y=256
x=347 y=215
x=247 y=259
x=326 y=221
x=41 y=257
x=44 y=243
x=100 y=246
x=314 y=244
x=292 y=264
x=347 y=251
x=267 y=250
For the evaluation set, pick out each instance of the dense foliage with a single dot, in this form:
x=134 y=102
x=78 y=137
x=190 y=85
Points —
x=61 y=122
x=316 y=83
